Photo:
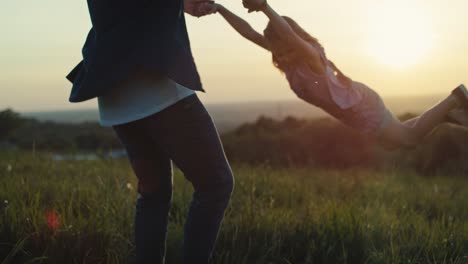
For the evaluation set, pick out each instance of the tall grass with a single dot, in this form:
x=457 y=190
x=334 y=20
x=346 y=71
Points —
x=276 y=215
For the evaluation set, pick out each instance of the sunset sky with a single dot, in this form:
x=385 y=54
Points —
x=398 y=47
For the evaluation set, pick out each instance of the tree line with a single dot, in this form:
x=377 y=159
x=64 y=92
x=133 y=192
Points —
x=289 y=142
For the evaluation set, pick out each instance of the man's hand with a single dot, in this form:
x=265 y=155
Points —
x=254 y=5
x=199 y=8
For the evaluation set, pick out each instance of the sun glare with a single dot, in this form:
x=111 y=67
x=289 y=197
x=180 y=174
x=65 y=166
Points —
x=400 y=33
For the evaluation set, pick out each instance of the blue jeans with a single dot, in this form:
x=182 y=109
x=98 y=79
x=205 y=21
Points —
x=185 y=134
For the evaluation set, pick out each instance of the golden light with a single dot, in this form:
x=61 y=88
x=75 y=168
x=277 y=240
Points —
x=400 y=32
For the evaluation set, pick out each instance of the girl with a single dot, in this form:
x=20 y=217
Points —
x=317 y=80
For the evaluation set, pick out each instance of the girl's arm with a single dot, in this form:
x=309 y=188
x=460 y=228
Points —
x=242 y=27
x=282 y=27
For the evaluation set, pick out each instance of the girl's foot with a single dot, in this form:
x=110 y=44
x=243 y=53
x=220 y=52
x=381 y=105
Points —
x=459 y=116
x=461 y=93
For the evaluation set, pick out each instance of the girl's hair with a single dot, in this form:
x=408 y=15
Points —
x=273 y=37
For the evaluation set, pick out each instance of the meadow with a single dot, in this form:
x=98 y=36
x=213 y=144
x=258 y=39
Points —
x=82 y=212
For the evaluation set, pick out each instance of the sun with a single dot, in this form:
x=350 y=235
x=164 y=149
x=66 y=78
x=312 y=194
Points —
x=400 y=33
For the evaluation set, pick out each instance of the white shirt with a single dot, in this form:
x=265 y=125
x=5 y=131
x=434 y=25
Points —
x=139 y=99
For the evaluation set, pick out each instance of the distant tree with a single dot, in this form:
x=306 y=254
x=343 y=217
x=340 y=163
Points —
x=320 y=142
x=9 y=121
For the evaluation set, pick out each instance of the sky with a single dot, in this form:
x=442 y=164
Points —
x=397 y=47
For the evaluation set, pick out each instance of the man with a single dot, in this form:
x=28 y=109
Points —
x=137 y=61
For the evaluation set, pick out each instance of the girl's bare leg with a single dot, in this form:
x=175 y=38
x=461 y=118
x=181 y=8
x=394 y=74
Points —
x=409 y=133
x=412 y=121
x=460 y=116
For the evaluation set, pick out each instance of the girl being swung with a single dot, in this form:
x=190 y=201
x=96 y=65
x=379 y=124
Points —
x=317 y=80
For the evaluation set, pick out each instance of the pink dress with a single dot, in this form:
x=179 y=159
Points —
x=356 y=105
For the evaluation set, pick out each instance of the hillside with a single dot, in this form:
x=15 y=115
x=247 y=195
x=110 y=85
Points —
x=230 y=115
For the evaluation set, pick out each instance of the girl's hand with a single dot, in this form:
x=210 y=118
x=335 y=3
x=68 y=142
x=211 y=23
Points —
x=199 y=8
x=254 y=5
x=208 y=8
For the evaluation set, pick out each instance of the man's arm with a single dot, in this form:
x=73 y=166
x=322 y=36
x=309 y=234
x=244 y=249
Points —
x=242 y=27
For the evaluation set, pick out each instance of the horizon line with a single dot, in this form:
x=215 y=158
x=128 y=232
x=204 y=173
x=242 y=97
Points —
x=218 y=103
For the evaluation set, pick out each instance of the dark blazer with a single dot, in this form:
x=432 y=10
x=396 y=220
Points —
x=129 y=36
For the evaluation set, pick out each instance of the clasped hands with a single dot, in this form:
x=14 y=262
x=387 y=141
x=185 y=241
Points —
x=254 y=5
x=199 y=8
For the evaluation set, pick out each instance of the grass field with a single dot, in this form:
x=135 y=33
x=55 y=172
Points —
x=82 y=212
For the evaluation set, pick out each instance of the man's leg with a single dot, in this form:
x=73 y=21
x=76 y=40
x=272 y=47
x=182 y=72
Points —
x=154 y=171
x=185 y=131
